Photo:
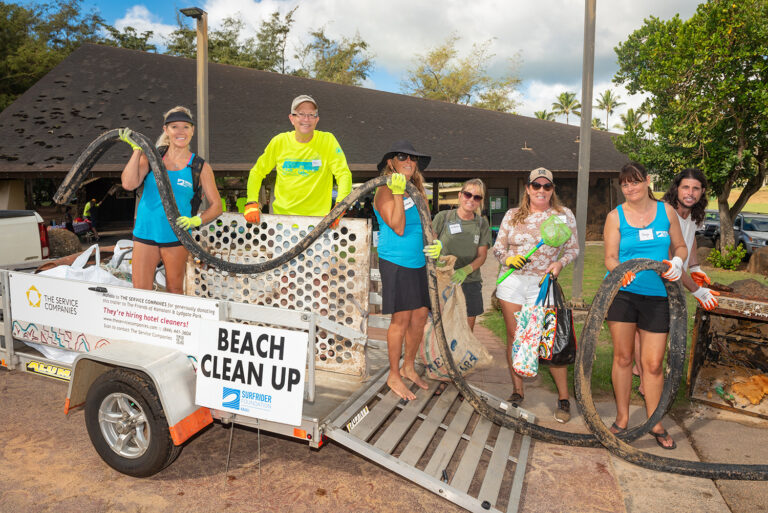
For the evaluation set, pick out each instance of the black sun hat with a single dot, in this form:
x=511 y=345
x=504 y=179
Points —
x=404 y=146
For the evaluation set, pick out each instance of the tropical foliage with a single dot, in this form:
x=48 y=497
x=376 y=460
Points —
x=543 y=114
x=567 y=104
x=608 y=102
x=441 y=74
x=707 y=84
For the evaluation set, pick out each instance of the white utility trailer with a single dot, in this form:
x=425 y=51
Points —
x=136 y=360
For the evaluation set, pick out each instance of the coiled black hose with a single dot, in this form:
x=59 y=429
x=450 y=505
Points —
x=583 y=367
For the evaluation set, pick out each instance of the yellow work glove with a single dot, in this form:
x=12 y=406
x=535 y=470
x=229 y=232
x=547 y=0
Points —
x=396 y=183
x=459 y=276
x=252 y=213
x=125 y=135
x=185 y=223
x=516 y=262
x=433 y=250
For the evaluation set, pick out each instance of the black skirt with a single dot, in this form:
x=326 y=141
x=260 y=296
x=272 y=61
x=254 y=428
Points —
x=403 y=288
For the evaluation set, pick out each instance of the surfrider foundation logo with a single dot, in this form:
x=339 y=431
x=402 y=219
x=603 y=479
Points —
x=34 y=297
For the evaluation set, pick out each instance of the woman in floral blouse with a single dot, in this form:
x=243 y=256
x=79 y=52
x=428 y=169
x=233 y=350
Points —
x=518 y=233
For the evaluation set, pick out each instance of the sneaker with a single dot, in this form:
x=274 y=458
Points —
x=563 y=411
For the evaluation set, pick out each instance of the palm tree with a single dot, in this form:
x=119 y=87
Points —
x=566 y=104
x=630 y=122
x=608 y=102
x=543 y=114
x=645 y=110
x=597 y=123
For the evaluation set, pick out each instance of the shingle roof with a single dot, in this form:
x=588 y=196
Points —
x=98 y=88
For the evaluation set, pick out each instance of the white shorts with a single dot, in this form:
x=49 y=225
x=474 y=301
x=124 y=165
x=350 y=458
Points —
x=520 y=289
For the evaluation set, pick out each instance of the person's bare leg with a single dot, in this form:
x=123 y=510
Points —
x=144 y=260
x=638 y=364
x=413 y=337
x=175 y=261
x=560 y=376
x=623 y=335
x=471 y=322
x=508 y=311
x=652 y=348
x=395 y=334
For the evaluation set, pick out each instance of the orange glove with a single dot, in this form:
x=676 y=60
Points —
x=252 y=212
x=335 y=223
x=698 y=276
x=628 y=278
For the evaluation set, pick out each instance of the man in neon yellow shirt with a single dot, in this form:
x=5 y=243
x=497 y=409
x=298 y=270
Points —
x=306 y=161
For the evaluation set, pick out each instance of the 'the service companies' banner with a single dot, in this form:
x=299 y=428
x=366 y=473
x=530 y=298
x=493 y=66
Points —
x=252 y=371
x=57 y=312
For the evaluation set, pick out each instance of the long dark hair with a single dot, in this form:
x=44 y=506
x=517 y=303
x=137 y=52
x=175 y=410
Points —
x=635 y=172
x=697 y=211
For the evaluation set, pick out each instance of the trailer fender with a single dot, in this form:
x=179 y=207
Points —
x=170 y=371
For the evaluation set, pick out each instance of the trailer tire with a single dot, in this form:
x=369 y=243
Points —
x=127 y=425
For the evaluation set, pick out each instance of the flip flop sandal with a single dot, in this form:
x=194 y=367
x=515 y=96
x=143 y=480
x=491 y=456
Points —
x=661 y=437
x=516 y=398
x=616 y=430
x=441 y=388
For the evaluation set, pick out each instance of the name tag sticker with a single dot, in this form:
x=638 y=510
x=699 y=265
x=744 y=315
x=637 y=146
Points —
x=646 y=234
x=454 y=228
x=317 y=163
x=407 y=203
x=563 y=218
x=477 y=239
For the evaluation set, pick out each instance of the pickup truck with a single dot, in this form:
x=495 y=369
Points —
x=23 y=237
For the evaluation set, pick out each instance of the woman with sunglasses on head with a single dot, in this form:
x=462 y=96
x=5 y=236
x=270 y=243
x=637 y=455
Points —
x=520 y=231
x=402 y=263
x=641 y=227
x=191 y=178
x=465 y=233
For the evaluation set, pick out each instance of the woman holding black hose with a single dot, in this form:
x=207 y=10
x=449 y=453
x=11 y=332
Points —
x=641 y=227
x=153 y=237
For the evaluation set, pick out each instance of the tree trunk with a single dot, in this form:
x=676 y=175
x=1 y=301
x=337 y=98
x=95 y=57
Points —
x=726 y=221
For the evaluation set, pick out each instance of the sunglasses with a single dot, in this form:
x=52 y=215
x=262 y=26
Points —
x=402 y=157
x=469 y=195
x=536 y=186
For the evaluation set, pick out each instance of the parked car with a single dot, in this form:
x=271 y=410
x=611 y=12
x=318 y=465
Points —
x=710 y=227
x=751 y=230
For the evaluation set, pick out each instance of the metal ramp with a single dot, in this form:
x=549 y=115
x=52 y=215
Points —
x=440 y=443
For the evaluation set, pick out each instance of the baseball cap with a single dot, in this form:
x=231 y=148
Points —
x=540 y=172
x=301 y=99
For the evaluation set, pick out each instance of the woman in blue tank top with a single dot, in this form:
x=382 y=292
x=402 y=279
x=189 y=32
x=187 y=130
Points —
x=641 y=227
x=153 y=238
x=401 y=262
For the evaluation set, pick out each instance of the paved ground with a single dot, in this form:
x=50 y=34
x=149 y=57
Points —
x=48 y=464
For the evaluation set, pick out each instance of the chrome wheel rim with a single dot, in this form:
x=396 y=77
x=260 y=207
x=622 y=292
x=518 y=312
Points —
x=124 y=425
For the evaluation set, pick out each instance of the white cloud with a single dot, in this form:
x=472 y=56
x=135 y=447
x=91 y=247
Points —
x=547 y=35
x=141 y=19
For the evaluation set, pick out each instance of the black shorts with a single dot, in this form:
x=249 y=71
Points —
x=473 y=293
x=158 y=244
x=650 y=313
x=402 y=288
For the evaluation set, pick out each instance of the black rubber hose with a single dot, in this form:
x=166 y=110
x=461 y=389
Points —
x=583 y=385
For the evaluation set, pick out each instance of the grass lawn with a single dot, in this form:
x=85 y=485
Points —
x=594 y=271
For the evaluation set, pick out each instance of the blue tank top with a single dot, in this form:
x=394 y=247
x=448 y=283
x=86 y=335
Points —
x=405 y=250
x=151 y=222
x=649 y=242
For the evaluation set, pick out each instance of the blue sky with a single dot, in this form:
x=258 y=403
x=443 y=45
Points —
x=545 y=35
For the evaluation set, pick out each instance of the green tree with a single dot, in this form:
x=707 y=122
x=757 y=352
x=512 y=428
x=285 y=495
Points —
x=343 y=62
x=630 y=122
x=567 y=104
x=36 y=38
x=225 y=44
x=608 y=102
x=442 y=75
x=543 y=114
x=271 y=41
x=130 y=39
x=598 y=124
x=707 y=85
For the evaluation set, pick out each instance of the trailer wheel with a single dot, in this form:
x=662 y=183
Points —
x=127 y=425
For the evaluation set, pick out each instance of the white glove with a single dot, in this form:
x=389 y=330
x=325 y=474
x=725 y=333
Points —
x=698 y=276
x=675 y=269
x=706 y=297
